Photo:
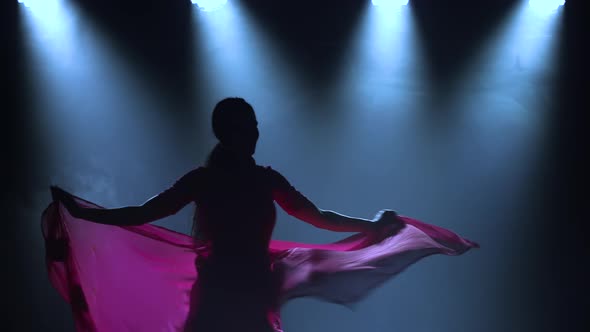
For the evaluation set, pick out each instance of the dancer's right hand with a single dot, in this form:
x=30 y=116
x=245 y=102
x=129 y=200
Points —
x=66 y=199
x=386 y=218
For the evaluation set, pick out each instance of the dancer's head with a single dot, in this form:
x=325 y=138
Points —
x=235 y=126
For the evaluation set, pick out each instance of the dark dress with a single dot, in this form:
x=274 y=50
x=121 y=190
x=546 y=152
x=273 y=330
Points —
x=229 y=276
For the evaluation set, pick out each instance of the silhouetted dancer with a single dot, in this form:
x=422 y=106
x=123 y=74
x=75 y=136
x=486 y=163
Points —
x=120 y=273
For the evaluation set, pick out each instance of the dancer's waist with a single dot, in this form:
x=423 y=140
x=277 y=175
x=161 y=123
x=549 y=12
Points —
x=235 y=255
x=245 y=255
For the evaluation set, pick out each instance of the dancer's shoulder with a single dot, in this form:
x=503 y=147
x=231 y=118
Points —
x=275 y=178
x=268 y=170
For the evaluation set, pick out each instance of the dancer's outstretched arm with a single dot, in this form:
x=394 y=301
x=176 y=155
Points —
x=337 y=222
x=300 y=207
x=153 y=209
x=162 y=205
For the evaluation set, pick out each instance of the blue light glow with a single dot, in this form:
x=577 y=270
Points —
x=546 y=6
x=389 y=3
x=49 y=20
x=41 y=5
x=209 y=5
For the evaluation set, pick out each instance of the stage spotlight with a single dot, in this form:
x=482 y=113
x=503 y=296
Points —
x=209 y=5
x=546 y=6
x=389 y=3
x=38 y=4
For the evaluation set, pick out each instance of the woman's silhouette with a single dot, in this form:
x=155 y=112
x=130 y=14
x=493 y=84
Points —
x=240 y=276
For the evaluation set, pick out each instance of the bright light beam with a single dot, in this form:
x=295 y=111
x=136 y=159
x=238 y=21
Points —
x=523 y=46
x=209 y=5
x=39 y=5
x=546 y=6
x=509 y=85
x=48 y=16
x=236 y=55
x=389 y=3
x=94 y=113
x=383 y=54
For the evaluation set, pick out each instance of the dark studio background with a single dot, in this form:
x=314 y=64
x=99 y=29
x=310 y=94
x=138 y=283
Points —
x=466 y=114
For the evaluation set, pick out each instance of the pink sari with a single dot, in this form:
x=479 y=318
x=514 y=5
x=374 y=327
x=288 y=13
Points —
x=139 y=278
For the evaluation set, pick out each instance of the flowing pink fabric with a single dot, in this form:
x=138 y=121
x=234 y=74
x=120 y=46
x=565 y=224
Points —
x=139 y=278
